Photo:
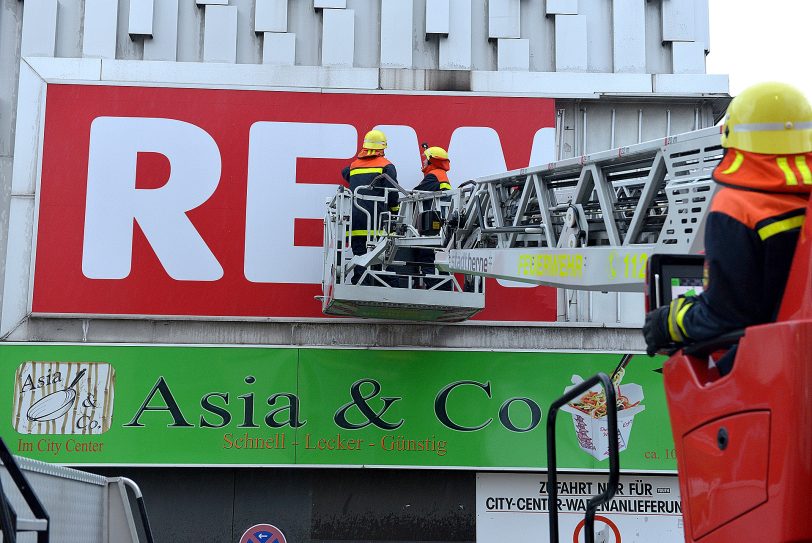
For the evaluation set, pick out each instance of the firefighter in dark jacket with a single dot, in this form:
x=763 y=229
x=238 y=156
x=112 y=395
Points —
x=754 y=221
x=435 y=170
x=369 y=164
x=435 y=179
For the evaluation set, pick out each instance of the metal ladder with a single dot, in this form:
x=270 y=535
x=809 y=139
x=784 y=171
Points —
x=589 y=222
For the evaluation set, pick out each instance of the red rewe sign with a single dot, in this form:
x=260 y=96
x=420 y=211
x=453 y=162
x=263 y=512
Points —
x=208 y=202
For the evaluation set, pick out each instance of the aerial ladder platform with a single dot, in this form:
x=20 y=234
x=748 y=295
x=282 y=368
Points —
x=587 y=223
x=593 y=223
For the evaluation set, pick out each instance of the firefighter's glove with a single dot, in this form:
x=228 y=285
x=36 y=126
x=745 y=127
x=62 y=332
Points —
x=655 y=330
x=664 y=326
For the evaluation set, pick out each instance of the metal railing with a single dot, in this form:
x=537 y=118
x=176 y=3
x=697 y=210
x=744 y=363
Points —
x=614 y=455
x=81 y=506
x=632 y=195
x=389 y=235
x=142 y=507
x=9 y=521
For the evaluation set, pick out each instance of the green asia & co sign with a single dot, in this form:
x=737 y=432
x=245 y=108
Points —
x=140 y=405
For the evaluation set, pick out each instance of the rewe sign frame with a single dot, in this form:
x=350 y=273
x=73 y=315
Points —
x=162 y=201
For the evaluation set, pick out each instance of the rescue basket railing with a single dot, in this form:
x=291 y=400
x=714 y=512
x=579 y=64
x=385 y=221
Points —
x=142 y=507
x=614 y=455
x=419 y=223
x=380 y=255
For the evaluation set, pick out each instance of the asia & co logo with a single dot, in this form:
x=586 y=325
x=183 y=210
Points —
x=63 y=398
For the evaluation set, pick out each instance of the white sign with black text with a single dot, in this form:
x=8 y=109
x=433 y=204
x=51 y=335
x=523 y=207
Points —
x=514 y=507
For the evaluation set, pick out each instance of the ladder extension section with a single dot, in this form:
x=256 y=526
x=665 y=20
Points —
x=591 y=222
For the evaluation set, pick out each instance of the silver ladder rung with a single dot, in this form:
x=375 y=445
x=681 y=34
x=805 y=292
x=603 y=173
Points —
x=32 y=525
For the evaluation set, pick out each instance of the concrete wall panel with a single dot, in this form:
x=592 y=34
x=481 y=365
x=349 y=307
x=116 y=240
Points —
x=570 y=43
x=39 y=28
x=11 y=21
x=483 y=48
x=688 y=57
x=329 y=4
x=455 y=50
x=306 y=24
x=220 y=38
x=190 y=32
x=658 y=54
x=101 y=20
x=279 y=49
x=540 y=31
x=249 y=43
x=514 y=55
x=141 y=17
x=678 y=20
x=338 y=38
x=629 y=36
x=70 y=15
x=553 y=84
x=425 y=47
x=598 y=35
x=702 y=23
x=271 y=16
x=691 y=83
x=438 y=16
x=367 y=34
x=562 y=7
x=503 y=19
x=164 y=42
x=189 y=73
x=396 y=33
x=127 y=45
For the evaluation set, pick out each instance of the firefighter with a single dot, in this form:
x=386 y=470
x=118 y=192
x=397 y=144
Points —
x=368 y=165
x=435 y=168
x=435 y=178
x=754 y=221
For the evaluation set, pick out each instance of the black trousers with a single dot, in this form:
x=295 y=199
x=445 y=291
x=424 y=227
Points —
x=358 y=244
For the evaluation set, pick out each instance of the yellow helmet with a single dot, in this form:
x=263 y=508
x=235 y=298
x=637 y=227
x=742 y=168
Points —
x=435 y=152
x=375 y=139
x=769 y=118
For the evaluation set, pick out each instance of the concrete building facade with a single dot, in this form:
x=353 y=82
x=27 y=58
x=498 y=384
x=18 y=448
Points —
x=608 y=73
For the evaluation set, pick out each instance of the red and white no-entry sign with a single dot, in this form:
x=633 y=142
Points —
x=610 y=530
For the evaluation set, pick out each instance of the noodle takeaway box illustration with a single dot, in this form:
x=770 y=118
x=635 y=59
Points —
x=589 y=415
